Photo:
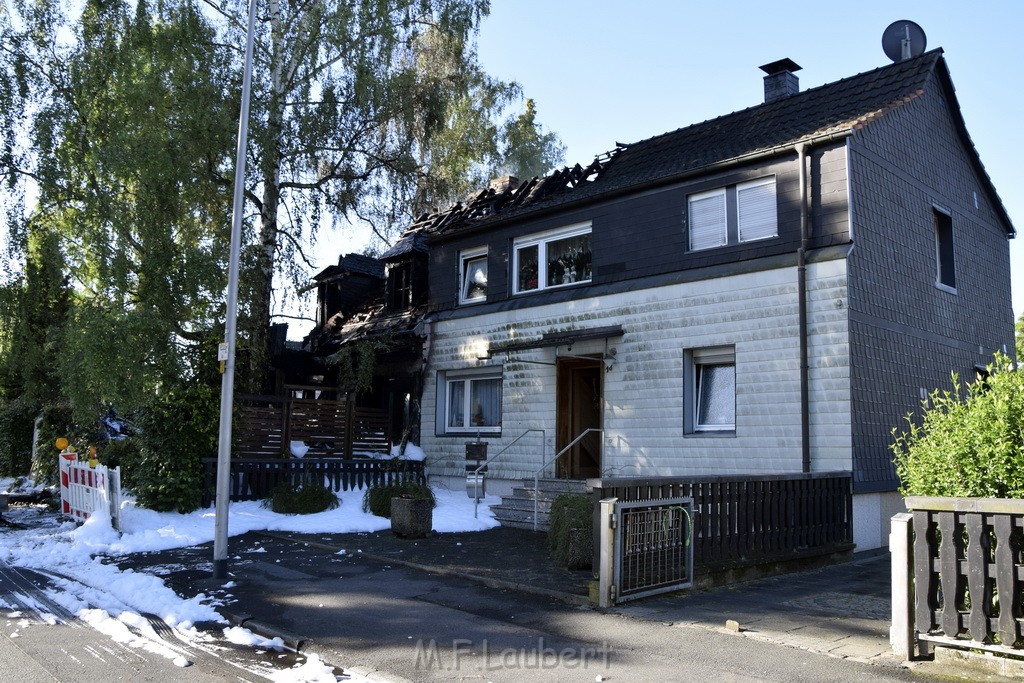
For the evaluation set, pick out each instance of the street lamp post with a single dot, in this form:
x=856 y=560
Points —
x=227 y=386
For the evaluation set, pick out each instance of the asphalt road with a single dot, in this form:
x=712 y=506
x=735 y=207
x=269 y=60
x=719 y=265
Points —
x=42 y=641
x=404 y=624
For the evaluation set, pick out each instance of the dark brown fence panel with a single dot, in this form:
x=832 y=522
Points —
x=321 y=425
x=254 y=478
x=370 y=431
x=266 y=426
x=260 y=429
x=743 y=521
x=969 y=572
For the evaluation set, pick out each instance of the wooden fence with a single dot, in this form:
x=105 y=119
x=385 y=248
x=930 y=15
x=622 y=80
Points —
x=744 y=521
x=266 y=425
x=254 y=478
x=958 y=575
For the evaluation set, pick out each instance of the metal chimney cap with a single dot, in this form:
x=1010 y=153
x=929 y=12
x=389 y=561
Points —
x=780 y=66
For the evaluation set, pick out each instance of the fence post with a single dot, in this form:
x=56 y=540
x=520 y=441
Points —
x=113 y=482
x=902 y=631
x=350 y=424
x=606 y=567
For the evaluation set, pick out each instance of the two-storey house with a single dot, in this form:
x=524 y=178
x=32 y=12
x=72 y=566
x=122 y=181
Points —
x=766 y=292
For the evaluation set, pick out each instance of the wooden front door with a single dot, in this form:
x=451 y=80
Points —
x=580 y=404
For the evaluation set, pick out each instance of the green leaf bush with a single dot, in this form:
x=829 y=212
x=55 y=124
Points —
x=305 y=497
x=17 y=420
x=969 y=442
x=126 y=454
x=570 y=530
x=176 y=431
x=377 y=499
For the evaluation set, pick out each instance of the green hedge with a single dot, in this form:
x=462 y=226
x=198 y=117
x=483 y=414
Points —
x=570 y=530
x=969 y=442
x=17 y=423
x=176 y=431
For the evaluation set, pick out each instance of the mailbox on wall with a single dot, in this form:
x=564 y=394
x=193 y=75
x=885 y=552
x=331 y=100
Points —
x=476 y=455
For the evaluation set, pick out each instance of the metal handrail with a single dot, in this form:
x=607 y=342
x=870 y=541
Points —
x=476 y=472
x=536 y=475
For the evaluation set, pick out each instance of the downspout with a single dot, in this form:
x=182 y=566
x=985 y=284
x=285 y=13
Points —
x=801 y=274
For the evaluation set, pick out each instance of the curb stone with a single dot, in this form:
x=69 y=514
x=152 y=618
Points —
x=291 y=640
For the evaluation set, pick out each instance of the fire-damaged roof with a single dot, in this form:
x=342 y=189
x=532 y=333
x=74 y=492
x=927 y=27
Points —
x=352 y=263
x=836 y=107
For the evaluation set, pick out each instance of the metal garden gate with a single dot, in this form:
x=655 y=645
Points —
x=646 y=547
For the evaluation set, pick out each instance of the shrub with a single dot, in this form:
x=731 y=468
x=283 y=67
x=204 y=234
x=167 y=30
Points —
x=176 y=431
x=570 y=530
x=126 y=454
x=301 y=498
x=58 y=421
x=377 y=499
x=17 y=424
x=968 y=444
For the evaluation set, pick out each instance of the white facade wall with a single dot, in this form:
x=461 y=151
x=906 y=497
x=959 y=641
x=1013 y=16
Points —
x=643 y=417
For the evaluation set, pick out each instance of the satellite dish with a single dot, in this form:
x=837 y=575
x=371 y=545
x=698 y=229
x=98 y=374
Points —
x=902 y=40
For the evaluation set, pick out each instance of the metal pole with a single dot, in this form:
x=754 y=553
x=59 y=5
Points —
x=227 y=386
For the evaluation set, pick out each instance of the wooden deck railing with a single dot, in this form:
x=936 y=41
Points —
x=958 y=575
x=254 y=478
x=744 y=521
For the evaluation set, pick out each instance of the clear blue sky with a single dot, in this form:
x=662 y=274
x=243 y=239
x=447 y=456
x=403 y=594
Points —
x=603 y=72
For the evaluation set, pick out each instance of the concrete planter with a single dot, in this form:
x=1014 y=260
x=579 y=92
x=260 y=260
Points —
x=411 y=517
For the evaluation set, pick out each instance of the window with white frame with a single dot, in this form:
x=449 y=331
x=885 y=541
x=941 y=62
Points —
x=471 y=400
x=552 y=259
x=711 y=390
x=473 y=275
x=734 y=214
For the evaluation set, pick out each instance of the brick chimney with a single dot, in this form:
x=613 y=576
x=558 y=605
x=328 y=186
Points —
x=780 y=81
x=507 y=182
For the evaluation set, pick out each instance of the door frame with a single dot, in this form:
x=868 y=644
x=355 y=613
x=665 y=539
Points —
x=577 y=410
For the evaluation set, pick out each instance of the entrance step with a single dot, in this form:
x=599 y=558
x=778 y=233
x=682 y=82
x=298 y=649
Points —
x=517 y=510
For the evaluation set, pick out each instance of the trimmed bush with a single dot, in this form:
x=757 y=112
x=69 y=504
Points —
x=968 y=443
x=377 y=499
x=176 y=431
x=570 y=530
x=301 y=498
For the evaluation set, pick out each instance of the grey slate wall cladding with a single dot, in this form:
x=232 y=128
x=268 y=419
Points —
x=905 y=333
x=645 y=234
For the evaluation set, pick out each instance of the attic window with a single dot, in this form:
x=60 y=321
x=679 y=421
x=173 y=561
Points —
x=734 y=214
x=399 y=286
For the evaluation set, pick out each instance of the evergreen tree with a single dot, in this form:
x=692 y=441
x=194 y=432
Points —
x=528 y=150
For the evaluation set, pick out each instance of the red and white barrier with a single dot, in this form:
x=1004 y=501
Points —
x=83 y=489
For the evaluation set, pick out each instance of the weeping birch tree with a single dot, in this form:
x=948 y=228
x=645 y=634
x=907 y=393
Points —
x=361 y=111
x=123 y=118
x=125 y=126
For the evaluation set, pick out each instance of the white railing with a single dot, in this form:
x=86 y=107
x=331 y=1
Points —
x=83 y=489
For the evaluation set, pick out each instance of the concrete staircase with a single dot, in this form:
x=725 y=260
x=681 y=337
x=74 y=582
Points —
x=517 y=510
